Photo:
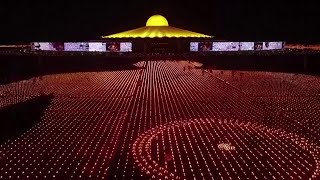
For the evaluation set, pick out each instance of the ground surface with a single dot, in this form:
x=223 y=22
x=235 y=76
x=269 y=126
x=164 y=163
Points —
x=167 y=120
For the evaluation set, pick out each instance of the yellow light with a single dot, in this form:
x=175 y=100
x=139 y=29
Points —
x=156 y=31
x=157 y=26
x=157 y=20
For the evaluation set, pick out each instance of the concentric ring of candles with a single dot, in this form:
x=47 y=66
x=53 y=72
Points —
x=297 y=158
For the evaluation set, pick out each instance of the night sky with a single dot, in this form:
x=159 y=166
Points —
x=23 y=21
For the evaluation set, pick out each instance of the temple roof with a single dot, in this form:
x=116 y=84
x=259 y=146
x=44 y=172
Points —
x=157 y=26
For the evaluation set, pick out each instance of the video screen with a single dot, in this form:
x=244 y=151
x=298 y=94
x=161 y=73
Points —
x=97 y=47
x=126 y=47
x=56 y=46
x=258 y=46
x=246 y=46
x=112 y=46
x=205 y=46
x=272 y=45
x=194 y=46
x=76 y=46
x=225 y=46
x=45 y=46
x=48 y=46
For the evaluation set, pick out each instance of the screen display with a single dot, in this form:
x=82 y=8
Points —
x=194 y=46
x=48 y=46
x=45 y=46
x=246 y=46
x=112 y=46
x=258 y=45
x=83 y=46
x=126 y=47
x=76 y=46
x=56 y=46
x=272 y=45
x=225 y=46
x=205 y=46
x=97 y=47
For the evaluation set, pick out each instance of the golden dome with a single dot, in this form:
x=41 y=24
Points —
x=157 y=20
x=157 y=26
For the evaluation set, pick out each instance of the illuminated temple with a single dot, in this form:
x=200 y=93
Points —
x=158 y=36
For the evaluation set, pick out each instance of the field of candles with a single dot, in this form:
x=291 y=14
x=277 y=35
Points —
x=161 y=120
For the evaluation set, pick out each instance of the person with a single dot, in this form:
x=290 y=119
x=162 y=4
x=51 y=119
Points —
x=241 y=76
x=168 y=156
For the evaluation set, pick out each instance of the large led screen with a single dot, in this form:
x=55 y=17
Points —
x=112 y=46
x=225 y=46
x=76 y=46
x=205 y=46
x=48 y=46
x=258 y=46
x=272 y=45
x=126 y=47
x=97 y=47
x=57 y=46
x=45 y=46
x=83 y=46
x=194 y=46
x=246 y=46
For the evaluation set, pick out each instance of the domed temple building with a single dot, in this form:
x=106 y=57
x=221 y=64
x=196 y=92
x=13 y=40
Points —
x=158 y=36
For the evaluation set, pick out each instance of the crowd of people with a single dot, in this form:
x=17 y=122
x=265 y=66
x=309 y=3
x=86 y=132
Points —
x=163 y=121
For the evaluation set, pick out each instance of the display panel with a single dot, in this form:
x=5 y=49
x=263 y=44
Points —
x=40 y=46
x=272 y=45
x=225 y=46
x=246 y=46
x=83 y=46
x=76 y=46
x=205 y=46
x=258 y=45
x=97 y=47
x=57 y=46
x=48 y=46
x=126 y=47
x=112 y=46
x=194 y=46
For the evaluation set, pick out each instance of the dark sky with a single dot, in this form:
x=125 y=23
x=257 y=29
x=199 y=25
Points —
x=23 y=21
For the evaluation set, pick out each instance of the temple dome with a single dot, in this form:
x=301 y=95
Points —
x=157 y=20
